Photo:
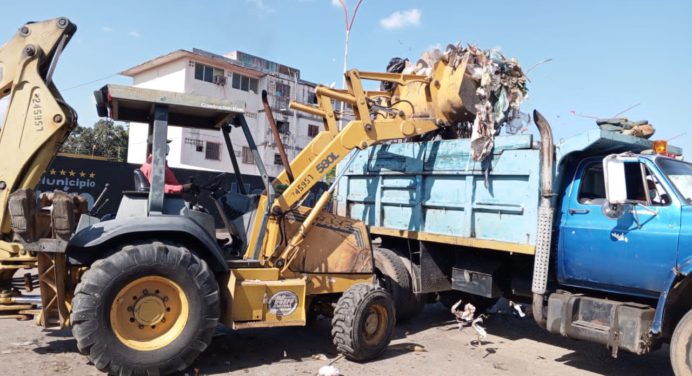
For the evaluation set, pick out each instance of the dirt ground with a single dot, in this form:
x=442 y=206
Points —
x=430 y=344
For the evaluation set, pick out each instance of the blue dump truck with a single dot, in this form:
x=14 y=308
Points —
x=595 y=231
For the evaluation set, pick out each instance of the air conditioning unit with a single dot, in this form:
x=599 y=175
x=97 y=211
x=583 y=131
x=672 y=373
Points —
x=219 y=80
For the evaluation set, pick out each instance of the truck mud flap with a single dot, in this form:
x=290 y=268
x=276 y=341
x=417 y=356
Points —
x=432 y=266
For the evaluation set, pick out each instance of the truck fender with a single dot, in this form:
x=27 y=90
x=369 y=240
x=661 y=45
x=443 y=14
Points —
x=681 y=271
x=85 y=246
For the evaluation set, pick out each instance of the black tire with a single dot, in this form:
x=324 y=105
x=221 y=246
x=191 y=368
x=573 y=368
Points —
x=416 y=302
x=394 y=277
x=95 y=296
x=681 y=346
x=352 y=315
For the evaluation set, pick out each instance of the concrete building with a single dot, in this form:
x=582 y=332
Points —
x=239 y=77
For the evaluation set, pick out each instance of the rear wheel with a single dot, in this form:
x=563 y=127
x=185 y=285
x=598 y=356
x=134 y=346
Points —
x=147 y=309
x=394 y=277
x=363 y=322
x=681 y=347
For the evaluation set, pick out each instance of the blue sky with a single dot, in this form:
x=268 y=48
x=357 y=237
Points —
x=607 y=55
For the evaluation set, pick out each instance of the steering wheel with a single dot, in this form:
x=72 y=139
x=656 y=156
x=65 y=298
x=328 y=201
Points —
x=214 y=183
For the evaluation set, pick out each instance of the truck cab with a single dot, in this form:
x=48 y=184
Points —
x=637 y=251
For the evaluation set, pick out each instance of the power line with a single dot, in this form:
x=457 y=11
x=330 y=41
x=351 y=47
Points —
x=90 y=82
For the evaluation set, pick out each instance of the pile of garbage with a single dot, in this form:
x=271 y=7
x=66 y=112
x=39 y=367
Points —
x=500 y=90
x=641 y=129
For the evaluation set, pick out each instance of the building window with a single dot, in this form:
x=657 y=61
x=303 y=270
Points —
x=283 y=127
x=207 y=73
x=247 y=155
x=277 y=159
x=244 y=83
x=212 y=151
x=312 y=98
x=283 y=90
x=313 y=130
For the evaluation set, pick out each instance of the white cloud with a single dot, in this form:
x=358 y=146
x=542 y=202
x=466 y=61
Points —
x=261 y=6
x=107 y=29
x=134 y=34
x=401 y=19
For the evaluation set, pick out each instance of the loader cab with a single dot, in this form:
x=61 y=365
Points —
x=159 y=110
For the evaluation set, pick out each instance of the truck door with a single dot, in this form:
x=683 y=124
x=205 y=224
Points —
x=633 y=254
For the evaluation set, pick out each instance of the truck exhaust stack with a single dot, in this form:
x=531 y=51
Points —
x=546 y=213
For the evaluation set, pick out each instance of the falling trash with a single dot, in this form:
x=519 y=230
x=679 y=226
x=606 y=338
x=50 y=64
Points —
x=480 y=331
x=491 y=101
x=465 y=316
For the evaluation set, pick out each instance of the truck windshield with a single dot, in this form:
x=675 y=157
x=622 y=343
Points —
x=680 y=174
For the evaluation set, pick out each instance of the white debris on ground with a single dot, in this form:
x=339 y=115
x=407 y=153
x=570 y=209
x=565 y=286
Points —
x=518 y=309
x=465 y=316
x=328 y=371
x=480 y=331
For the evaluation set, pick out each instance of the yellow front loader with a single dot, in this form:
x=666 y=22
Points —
x=144 y=292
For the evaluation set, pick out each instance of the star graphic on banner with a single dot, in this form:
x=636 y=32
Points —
x=92 y=175
x=63 y=172
x=82 y=174
x=72 y=173
x=52 y=171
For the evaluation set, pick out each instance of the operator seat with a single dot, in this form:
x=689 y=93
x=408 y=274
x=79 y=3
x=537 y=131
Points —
x=141 y=181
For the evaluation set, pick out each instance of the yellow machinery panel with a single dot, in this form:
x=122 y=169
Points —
x=257 y=298
x=335 y=283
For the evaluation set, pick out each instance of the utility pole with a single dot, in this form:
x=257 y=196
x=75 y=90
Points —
x=294 y=142
x=349 y=25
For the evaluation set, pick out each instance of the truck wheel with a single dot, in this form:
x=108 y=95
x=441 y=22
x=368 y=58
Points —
x=363 y=322
x=146 y=309
x=394 y=277
x=681 y=346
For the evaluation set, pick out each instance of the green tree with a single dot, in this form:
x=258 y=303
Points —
x=104 y=139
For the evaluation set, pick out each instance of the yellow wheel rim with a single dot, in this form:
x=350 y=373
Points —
x=375 y=326
x=149 y=313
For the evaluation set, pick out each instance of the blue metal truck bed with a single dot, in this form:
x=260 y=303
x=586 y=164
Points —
x=433 y=190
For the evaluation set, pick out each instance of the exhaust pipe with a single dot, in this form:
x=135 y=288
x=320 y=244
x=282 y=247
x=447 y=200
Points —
x=545 y=221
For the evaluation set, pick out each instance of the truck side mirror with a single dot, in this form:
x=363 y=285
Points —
x=613 y=211
x=615 y=186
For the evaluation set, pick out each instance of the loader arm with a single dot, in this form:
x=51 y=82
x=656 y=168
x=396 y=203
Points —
x=417 y=106
x=36 y=123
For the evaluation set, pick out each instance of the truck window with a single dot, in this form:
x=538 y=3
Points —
x=643 y=187
x=592 y=186
x=680 y=174
x=657 y=194
x=635 y=182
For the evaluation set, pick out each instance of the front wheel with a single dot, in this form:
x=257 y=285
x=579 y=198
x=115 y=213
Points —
x=681 y=347
x=147 y=309
x=363 y=322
